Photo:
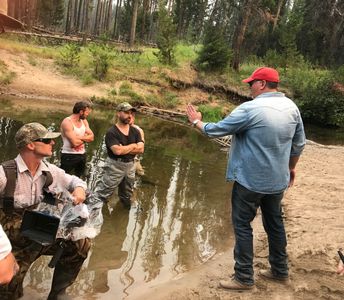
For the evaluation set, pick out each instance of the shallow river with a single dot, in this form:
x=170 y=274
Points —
x=181 y=218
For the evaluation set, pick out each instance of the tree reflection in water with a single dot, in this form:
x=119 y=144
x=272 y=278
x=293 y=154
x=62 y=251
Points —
x=181 y=218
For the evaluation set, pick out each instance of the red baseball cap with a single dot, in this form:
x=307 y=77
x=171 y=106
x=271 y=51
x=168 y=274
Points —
x=264 y=73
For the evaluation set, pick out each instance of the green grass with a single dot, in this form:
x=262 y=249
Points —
x=211 y=113
x=34 y=50
x=186 y=53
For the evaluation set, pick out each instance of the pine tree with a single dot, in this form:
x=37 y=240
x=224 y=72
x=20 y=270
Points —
x=215 y=54
x=166 y=38
x=50 y=12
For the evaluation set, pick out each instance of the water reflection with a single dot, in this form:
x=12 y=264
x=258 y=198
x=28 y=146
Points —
x=180 y=219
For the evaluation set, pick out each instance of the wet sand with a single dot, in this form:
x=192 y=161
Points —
x=314 y=222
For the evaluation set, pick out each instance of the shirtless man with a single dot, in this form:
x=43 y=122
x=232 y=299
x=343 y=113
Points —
x=75 y=133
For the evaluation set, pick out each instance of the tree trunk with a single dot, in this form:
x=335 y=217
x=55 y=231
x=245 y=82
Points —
x=170 y=6
x=153 y=5
x=78 y=18
x=109 y=14
x=145 y=8
x=68 y=17
x=240 y=33
x=181 y=11
x=133 y=23
x=95 y=25
x=278 y=12
x=86 y=22
x=100 y=20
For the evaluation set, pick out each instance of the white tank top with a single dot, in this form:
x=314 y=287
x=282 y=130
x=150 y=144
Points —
x=67 y=146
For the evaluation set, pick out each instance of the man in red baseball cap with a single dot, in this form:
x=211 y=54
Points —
x=261 y=78
x=263 y=73
x=267 y=141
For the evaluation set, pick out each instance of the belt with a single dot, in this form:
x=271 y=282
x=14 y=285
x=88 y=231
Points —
x=123 y=159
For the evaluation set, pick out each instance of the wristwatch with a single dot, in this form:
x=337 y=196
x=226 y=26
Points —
x=194 y=123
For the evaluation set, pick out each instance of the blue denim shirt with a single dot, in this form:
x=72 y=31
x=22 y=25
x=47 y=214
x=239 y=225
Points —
x=267 y=131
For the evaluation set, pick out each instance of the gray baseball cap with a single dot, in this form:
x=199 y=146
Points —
x=30 y=132
x=125 y=106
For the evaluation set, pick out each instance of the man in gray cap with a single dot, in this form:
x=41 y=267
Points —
x=123 y=142
x=31 y=176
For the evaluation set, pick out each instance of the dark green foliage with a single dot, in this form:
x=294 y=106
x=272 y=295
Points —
x=320 y=36
x=166 y=39
x=323 y=102
x=50 y=12
x=215 y=54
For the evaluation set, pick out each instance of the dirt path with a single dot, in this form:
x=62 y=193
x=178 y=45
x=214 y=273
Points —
x=40 y=79
x=313 y=210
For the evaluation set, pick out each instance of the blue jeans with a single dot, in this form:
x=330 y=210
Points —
x=244 y=210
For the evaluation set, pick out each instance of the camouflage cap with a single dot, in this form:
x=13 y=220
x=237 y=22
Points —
x=125 y=106
x=31 y=132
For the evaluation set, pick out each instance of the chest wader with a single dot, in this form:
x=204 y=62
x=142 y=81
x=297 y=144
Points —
x=10 y=169
x=72 y=257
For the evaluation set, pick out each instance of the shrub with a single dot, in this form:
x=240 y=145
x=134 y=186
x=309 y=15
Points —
x=215 y=54
x=102 y=55
x=166 y=38
x=69 y=56
x=322 y=103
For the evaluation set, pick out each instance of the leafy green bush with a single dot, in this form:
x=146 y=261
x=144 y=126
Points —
x=102 y=55
x=299 y=80
x=210 y=113
x=69 y=56
x=215 y=54
x=166 y=38
x=323 y=103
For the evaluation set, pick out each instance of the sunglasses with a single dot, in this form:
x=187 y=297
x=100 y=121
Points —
x=45 y=141
x=252 y=82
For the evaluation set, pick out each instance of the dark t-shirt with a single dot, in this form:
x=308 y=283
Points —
x=115 y=137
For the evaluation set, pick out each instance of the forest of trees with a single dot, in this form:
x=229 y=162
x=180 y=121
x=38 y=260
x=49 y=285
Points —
x=311 y=29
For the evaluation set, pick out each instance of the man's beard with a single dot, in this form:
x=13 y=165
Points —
x=82 y=117
x=124 y=120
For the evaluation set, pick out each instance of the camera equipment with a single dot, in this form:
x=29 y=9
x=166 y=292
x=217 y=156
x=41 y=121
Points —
x=41 y=226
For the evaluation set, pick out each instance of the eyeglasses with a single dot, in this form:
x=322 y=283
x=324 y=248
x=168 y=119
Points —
x=253 y=82
x=45 y=141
